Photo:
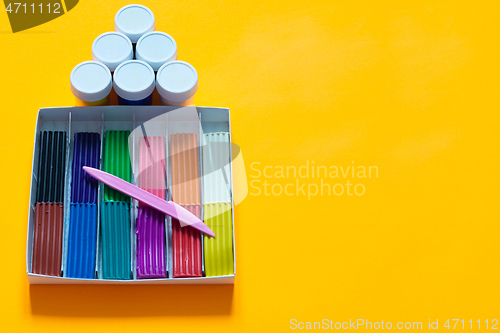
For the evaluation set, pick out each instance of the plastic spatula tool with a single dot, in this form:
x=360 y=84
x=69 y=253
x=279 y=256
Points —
x=168 y=207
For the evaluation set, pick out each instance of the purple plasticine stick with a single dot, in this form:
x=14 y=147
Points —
x=168 y=207
x=150 y=243
x=86 y=152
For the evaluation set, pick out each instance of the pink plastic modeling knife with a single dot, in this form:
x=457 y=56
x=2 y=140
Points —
x=168 y=207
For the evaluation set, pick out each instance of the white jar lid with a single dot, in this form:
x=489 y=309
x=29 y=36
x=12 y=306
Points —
x=177 y=81
x=90 y=81
x=156 y=48
x=112 y=48
x=134 y=80
x=134 y=21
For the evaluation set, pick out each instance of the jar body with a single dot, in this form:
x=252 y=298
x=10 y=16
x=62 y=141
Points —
x=134 y=83
x=111 y=49
x=187 y=102
x=156 y=48
x=101 y=102
x=146 y=101
x=177 y=83
x=134 y=21
x=91 y=83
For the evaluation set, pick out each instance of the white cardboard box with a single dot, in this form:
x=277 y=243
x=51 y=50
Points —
x=99 y=119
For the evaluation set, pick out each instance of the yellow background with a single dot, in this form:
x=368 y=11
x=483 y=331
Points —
x=408 y=86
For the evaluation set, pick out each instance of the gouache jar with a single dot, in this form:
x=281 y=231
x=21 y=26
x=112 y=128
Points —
x=134 y=21
x=112 y=48
x=91 y=83
x=177 y=82
x=156 y=48
x=134 y=83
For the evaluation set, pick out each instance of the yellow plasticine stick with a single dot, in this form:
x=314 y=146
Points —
x=219 y=250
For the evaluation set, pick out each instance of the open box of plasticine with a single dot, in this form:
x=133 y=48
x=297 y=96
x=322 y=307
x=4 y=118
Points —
x=81 y=231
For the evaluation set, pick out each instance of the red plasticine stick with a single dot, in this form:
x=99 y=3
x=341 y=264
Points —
x=187 y=248
x=47 y=243
x=186 y=191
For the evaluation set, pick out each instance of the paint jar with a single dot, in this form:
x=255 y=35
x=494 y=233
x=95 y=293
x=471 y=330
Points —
x=134 y=83
x=177 y=82
x=112 y=48
x=134 y=21
x=91 y=83
x=156 y=48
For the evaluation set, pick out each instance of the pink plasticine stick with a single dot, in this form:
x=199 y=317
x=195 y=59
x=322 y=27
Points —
x=168 y=207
